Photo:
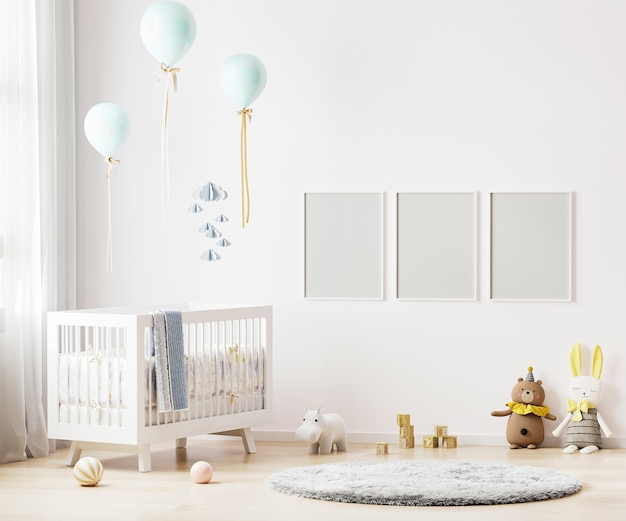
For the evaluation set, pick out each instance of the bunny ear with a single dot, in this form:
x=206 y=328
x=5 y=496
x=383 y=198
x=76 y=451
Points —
x=596 y=368
x=574 y=360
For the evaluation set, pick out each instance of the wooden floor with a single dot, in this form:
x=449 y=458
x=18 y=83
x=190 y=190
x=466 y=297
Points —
x=46 y=489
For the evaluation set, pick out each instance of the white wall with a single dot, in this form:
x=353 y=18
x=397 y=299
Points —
x=371 y=95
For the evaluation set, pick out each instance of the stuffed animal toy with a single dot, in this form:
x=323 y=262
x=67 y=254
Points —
x=322 y=431
x=525 y=412
x=583 y=421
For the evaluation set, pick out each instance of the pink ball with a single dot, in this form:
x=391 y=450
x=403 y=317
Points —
x=201 y=472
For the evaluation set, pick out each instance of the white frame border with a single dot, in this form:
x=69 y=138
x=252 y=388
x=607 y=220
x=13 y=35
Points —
x=381 y=256
x=570 y=237
x=476 y=240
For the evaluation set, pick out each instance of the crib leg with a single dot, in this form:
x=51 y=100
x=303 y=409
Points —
x=143 y=456
x=248 y=440
x=181 y=443
x=246 y=437
x=74 y=454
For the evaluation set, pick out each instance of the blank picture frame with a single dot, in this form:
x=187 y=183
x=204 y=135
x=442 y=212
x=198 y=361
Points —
x=343 y=246
x=531 y=246
x=436 y=247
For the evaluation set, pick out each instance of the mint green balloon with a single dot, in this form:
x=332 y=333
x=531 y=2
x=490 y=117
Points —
x=243 y=78
x=168 y=29
x=107 y=126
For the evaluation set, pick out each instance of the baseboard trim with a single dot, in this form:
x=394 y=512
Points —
x=463 y=439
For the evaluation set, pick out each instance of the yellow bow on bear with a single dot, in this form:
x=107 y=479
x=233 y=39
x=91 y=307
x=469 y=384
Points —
x=577 y=408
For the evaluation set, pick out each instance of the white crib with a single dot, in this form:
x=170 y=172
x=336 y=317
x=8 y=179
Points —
x=101 y=385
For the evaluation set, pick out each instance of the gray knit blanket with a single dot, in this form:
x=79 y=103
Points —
x=169 y=361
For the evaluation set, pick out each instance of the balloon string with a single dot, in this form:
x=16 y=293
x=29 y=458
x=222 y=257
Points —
x=243 y=149
x=165 y=160
x=165 y=171
x=109 y=259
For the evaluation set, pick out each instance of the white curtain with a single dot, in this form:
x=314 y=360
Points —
x=37 y=242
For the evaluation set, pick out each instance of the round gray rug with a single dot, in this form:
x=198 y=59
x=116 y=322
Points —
x=424 y=483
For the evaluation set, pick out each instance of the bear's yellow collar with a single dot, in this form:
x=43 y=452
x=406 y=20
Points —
x=528 y=408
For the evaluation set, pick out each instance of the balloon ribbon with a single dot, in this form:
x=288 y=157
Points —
x=109 y=261
x=165 y=167
x=243 y=149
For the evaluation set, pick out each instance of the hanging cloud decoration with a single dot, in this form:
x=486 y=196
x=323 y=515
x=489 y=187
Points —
x=195 y=208
x=223 y=243
x=221 y=218
x=210 y=255
x=212 y=192
x=210 y=231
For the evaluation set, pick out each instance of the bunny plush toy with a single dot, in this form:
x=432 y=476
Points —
x=583 y=421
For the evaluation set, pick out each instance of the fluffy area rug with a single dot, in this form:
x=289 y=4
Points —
x=424 y=483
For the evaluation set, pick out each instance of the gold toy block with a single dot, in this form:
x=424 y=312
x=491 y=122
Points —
x=441 y=431
x=403 y=419
x=430 y=442
x=449 y=442
x=407 y=442
x=406 y=431
x=382 y=447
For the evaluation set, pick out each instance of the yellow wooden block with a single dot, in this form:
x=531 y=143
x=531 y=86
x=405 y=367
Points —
x=449 y=442
x=407 y=442
x=430 y=442
x=441 y=431
x=382 y=447
x=406 y=430
x=403 y=419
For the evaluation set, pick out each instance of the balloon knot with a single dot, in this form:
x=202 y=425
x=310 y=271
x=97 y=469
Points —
x=246 y=112
x=167 y=69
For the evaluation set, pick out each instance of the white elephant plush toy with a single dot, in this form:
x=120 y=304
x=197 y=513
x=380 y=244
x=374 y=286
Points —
x=322 y=431
x=583 y=421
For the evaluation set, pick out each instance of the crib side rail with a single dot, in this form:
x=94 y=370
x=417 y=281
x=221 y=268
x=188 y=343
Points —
x=228 y=370
x=91 y=366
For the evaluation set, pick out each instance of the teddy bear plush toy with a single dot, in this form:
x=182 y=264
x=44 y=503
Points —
x=583 y=421
x=526 y=412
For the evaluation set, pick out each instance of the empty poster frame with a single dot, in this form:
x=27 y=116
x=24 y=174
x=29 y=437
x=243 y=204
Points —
x=436 y=248
x=531 y=246
x=343 y=246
